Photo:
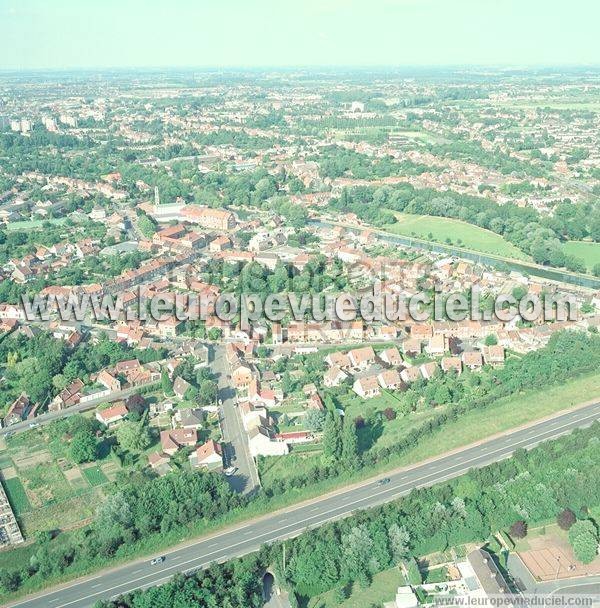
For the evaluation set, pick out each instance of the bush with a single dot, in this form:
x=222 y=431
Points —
x=389 y=413
x=566 y=519
x=519 y=529
x=583 y=537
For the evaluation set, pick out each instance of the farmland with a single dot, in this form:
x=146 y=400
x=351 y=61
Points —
x=48 y=491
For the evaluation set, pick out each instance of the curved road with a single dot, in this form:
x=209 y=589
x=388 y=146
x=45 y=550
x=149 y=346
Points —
x=247 y=537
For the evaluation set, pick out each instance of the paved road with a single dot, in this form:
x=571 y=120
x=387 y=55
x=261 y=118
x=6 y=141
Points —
x=292 y=522
x=237 y=452
x=80 y=407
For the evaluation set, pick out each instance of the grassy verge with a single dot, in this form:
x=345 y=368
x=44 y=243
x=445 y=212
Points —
x=473 y=426
x=506 y=414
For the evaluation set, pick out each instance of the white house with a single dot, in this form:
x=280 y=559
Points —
x=261 y=443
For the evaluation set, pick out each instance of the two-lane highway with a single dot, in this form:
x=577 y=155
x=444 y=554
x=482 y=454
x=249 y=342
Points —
x=288 y=523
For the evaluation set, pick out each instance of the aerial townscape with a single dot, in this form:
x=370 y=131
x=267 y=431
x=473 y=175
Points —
x=240 y=459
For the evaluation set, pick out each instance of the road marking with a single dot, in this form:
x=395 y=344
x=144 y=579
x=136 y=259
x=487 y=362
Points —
x=406 y=487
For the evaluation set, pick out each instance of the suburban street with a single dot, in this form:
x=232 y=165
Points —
x=48 y=417
x=237 y=452
x=287 y=523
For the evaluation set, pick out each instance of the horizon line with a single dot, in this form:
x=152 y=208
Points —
x=286 y=67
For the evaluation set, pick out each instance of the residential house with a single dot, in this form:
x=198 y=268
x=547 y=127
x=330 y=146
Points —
x=472 y=359
x=159 y=461
x=411 y=347
x=410 y=374
x=180 y=387
x=169 y=328
x=314 y=402
x=69 y=396
x=361 y=358
x=18 y=410
x=189 y=418
x=391 y=356
x=242 y=376
x=437 y=345
x=338 y=359
x=107 y=380
x=334 y=377
x=366 y=387
x=452 y=364
x=209 y=455
x=112 y=415
x=219 y=244
x=390 y=379
x=428 y=370
x=262 y=443
x=173 y=440
x=421 y=331
x=493 y=355
x=253 y=416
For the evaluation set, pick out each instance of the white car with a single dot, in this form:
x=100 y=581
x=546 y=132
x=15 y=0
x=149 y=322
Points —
x=229 y=471
x=157 y=560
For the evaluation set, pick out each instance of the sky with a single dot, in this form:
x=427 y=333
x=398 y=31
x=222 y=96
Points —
x=61 y=34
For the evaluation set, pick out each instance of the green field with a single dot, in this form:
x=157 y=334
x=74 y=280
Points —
x=16 y=495
x=25 y=224
x=461 y=234
x=95 y=476
x=588 y=252
x=382 y=589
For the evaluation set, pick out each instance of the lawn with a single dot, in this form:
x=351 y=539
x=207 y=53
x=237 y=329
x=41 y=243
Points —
x=390 y=431
x=439 y=229
x=588 y=252
x=95 y=476
x=297 y=462
x=16 y=495
x=28 y=224
x=382 y=589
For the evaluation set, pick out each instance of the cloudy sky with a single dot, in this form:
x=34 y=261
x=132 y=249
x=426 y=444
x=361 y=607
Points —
x=124 y=33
